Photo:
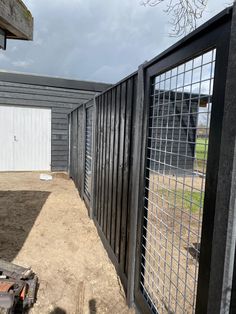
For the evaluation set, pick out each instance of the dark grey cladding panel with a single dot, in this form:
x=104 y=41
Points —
x=53 y=82
x=60 y=158
x=58 y=168
x=61 y=120
x=62 y=132
x=59 y=137
x=59 y=153
x=60 y=95
x=62 y=110
x=60 y=142
x=43 y=90
x=173 y=135
x=36 y=103
x=60 y=126
x=48 y=98
x=58 y=115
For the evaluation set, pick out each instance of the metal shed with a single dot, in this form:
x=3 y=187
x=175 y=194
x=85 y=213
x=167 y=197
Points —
x=34 y=111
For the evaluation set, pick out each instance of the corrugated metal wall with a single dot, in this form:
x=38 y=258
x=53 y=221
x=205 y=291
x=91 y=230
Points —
x=15 y=89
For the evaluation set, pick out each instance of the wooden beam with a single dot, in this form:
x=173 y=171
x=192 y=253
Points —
x=3 y=39
x=16 y=19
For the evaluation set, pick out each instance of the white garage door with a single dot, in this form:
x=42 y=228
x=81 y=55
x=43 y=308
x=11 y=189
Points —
x=25 y=139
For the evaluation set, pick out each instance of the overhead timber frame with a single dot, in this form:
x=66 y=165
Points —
x=16 y=21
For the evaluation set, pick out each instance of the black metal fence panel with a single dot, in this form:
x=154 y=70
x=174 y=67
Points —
x=74 y=145
x=145 y=156
x=113 y=162
x=76 y=167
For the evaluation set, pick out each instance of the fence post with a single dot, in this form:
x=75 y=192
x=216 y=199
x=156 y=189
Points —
x=94 y=160
x=135 y=179
x=83 y=122
x=69 y=144
x=224 y=234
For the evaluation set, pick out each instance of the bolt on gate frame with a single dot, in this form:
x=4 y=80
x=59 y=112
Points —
x=154 y=159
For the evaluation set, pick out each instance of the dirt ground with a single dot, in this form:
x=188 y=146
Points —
x=44 y=224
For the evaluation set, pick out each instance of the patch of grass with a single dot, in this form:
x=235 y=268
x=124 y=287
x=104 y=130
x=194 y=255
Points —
x=201 y=148
x=201 y=153
x=187 y=200
x=195 y=198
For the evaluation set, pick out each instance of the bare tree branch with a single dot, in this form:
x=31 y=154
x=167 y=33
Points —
x=184 y=13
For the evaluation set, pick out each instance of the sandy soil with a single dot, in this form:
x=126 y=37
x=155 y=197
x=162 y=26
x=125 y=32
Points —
x=45 y=225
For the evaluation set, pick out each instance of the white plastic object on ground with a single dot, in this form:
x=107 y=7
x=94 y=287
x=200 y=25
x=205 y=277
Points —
x=45 y=177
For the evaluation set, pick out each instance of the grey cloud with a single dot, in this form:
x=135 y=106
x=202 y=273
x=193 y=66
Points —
x=91 y=39
x=23 y=63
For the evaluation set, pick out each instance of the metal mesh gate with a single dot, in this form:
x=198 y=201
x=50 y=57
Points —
x=179 y=119
x=88 y=152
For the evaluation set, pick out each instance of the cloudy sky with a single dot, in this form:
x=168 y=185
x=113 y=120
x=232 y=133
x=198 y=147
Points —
x=98 y=40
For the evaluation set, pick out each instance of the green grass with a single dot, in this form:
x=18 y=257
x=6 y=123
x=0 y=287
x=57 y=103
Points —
x=201 y=153
x=201 y=148
x=196 y=199
x=187 y=200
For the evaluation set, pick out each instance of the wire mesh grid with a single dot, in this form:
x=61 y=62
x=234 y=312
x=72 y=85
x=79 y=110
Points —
x=179 y=119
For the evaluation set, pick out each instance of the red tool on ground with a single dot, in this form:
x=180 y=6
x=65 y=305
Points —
x=18 y=288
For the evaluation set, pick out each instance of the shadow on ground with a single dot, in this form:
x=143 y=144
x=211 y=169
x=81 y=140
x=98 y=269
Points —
x=92 y=306
x=194 y=250
x=18 y=212
x=58 y=310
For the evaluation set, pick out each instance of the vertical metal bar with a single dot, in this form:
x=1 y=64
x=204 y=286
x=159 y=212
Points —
x=83 y=149
x=136 y=177
x=102 y=106
x=111 y=165
x=104 y=192
x=77 y=150
x=98 y=154
x=111 y=172
x=69 y=152
x=233 y=291
x=73 y=146
x=120 y=171
x=99 y=168
x=108 y=151
x=103 y=159
x=94 y=158
x=116 y=165
x=71 y=165
x=131 y=162
x=224 y=236
x=80 y=149
x=126 y=172
x=213 y=241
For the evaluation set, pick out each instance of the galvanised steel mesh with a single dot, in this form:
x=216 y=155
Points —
x=179 y=119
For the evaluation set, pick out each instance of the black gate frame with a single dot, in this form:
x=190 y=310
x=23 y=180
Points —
x=211 y=285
